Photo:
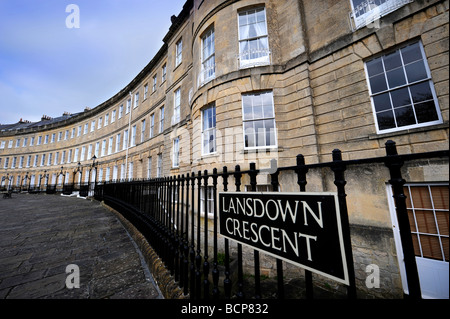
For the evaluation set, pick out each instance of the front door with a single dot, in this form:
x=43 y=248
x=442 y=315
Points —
x=428 y=211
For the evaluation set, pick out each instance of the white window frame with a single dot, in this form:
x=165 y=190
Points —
x=368 y=11
x=208 y=63
x=208 y=131
x=178 y=52
x=176 y=106
x=428 y=79
x=176 y=152
x=264 y=59
x=261 y=119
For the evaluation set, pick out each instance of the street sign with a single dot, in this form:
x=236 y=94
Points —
x=300 y=228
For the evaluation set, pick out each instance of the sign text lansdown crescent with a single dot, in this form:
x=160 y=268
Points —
x=300 y=228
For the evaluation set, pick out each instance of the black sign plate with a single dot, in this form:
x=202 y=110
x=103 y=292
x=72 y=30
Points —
x=300 y=228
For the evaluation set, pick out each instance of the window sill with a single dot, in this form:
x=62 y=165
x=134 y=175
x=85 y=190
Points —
x=262 y=150
x=410 y=131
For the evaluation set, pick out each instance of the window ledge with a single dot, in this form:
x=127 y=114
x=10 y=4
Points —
x=262 y=150
x=410 y=131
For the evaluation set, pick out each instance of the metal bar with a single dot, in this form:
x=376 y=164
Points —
x=301 y=171
x=275 y=185
x=394 y=162
x=240 y=293
x=339 y=168
x=205 y=231
x=227 y=280
x=215 y=271
x=253 y=173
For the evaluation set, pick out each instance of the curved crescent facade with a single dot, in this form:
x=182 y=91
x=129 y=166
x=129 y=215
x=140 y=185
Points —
x=254 y=80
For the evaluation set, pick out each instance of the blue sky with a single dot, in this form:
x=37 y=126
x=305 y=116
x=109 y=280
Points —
x=48 y=68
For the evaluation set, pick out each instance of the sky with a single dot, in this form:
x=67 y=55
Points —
x=53 y=61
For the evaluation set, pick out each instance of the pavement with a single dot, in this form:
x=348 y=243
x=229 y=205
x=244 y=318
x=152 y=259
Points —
x=49 y=243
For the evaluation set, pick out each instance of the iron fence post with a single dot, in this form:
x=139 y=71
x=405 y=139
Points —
x=339 y=168
x=395 y=163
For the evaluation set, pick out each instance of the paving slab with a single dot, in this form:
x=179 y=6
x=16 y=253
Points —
x=41 y=235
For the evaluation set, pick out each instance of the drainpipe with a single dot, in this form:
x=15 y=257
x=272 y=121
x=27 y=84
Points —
x=129 y=133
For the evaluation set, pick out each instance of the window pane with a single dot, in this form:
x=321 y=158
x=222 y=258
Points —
x=426 y=112
x=431 y=247
x=382 y=102
x=440 y=197
x=404 y=116
x=378 y=83
x=425 y=221
x=416 y=71
x=421 y=92
x=421 y=197
x=442 y=220
x=392 y=61
x=400 y=97
x=385 y=120
x=374 y=67
x=411 y=53
x=396 y=77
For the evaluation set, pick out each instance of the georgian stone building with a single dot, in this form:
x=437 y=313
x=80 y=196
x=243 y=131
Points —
x=254 y=80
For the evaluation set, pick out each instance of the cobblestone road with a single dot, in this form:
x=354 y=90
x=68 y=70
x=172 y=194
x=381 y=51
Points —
x=40 y=235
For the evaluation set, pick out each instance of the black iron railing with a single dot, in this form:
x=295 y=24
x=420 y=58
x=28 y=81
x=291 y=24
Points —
x=168 y=211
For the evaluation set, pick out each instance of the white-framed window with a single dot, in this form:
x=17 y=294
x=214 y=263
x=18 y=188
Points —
x=10 y=143
x=161 y=119
x=53 y=138
x=32 y=141
x=209 y=130
x=208 y=58
x=118 y=142
x=106 y=119
x=110 y=145
x=14 y=162
x=49 y=161
x=136 y=99
x=125 y=139
x=130 y=170
x=154 y=83
x=17 y=142
x=159 y=168
x=178 y=52
x=128 y=106
x=143 y=123
x=253 y=38
x=176 y=152
x=103 y=147
x=401 y=90
x=163 y=73
x=89 y=153
x=86 y=127
x=75 y=156
x=120 y=111
x=21 y=160
x=63 y=157
x=100 y=123
x=149 y=167
x=113 y=116
x=115 y=169
x=133 y=136
x=79 y=131
x=176 y=106
x=258 y=116
x=93 y=126
x=25 y=141
x=97 y=149
x=28 y=160
x=45 y=140
x=66 y=135
x=39 y=140
x=36 y=158
x=69 y=158
x=122 y=171
x=83 y=153
x=145 y=91
x=365 y=12
x=208 y=201
x=108 y=172
x=152 y=125
x=59 y=136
